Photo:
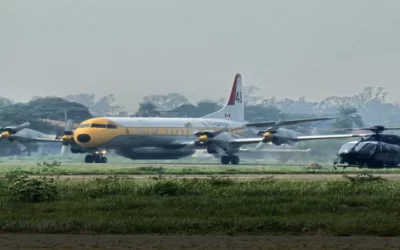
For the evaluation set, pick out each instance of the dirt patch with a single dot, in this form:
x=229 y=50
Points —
x=142 y=242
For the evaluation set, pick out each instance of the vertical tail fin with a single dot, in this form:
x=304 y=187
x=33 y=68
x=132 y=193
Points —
x=234 y=108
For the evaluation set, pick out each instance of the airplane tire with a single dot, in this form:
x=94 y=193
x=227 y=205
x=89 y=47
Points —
x=100 y=159
x=235 y=160
x=89 y=159
x=225 y=159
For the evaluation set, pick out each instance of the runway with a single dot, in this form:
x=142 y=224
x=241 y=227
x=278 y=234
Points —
x=216 y=164
x=295 y=177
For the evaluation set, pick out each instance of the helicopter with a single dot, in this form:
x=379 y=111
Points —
x=376 y=150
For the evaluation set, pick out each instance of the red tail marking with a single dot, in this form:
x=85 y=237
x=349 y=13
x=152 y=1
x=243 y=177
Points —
x=232 y=97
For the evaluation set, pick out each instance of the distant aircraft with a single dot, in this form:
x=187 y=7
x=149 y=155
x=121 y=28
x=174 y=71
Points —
x=174 y=138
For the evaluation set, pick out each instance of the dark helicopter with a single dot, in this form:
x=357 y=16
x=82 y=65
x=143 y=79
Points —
x=375 y=150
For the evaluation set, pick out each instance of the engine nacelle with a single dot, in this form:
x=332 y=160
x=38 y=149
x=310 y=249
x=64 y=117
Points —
x=211 y=151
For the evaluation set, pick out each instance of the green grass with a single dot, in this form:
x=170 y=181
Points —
x=156 y=169
x=368 y=206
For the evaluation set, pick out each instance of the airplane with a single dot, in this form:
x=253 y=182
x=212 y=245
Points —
x=174 y=138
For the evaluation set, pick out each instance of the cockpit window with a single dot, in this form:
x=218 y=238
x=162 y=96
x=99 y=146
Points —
x=84 y=125
x=347 y=147
x=94 y=125
x=112 y=126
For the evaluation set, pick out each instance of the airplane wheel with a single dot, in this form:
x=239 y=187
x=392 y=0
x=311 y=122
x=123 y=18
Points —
x=225 y=159
x=235 y=160
x=104 y=159
x=89 y=159
x=98 y=159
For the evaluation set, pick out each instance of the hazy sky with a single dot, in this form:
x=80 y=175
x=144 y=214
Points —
x=132 y=48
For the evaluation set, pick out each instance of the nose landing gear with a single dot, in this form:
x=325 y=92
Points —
x=95 y=158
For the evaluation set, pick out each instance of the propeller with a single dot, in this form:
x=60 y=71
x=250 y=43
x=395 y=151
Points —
x=267 y=137
x=204 y=136
x=268 y=134
x=9 y=132
x=68 y=137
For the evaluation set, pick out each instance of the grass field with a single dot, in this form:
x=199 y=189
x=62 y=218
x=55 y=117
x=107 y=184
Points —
x=198 y=242
x=218 y=206
x=157 y=169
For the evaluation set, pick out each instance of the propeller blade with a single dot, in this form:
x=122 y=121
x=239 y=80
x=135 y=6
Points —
x=22 y=126
x=69 y=126
x=20 y=146
x=219 y=150
x=260 y=145
x=64 y=149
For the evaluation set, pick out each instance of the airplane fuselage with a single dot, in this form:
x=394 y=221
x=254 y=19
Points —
x=149 y=138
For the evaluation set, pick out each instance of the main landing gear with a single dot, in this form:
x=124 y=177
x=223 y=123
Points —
x=235 y=160
x=96 y=158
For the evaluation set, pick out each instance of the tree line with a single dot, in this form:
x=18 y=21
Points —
x=368 y=107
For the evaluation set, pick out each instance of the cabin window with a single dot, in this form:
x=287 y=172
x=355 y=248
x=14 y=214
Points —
x=112 y=126
x=94 y=125
x=84 y=125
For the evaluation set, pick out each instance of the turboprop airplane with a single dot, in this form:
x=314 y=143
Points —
x=174 y=138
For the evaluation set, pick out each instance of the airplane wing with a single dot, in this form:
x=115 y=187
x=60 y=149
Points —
x=243 y=141
x=275 y=150
x=289 y=122
x=36 y=139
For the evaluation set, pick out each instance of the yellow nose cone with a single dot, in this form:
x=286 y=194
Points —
x=203 y=138
x=267 y=136
x=5 y=134
x=67 y=138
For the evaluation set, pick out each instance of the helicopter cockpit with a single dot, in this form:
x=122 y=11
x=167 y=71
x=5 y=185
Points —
x=347 y=147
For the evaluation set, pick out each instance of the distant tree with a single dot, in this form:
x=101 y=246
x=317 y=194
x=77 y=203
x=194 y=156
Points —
x=371 y=94
x=347 y=118
x=251 y=95
x=43 y=108
x=257 y=113
x=206 y=107
x=54 y=108
x=147 y=109
x=166 y=102
x=5 y=102
x=104 y=106
x=185 y=110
